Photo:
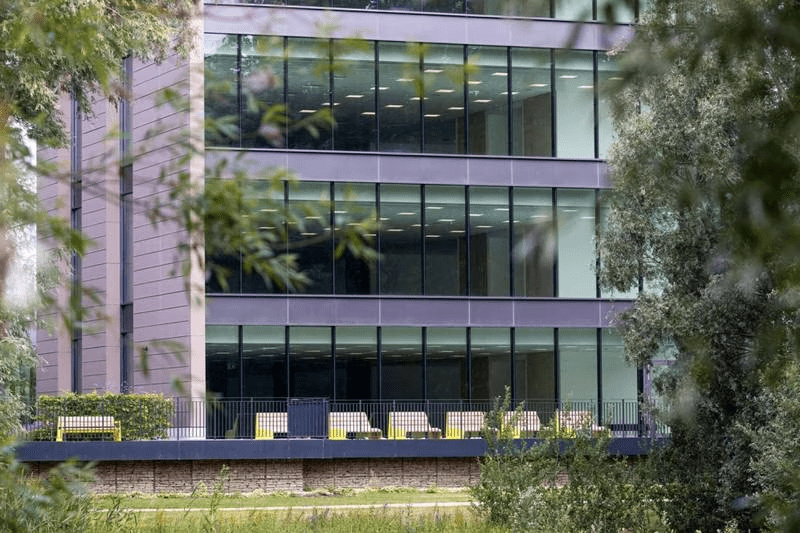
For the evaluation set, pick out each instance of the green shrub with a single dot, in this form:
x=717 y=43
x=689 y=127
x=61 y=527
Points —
x=141 y=416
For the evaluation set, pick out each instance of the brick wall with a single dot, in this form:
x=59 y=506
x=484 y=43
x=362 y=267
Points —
x=278 y=475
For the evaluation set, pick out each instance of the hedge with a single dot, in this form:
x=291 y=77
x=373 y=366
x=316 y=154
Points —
x=141 y=416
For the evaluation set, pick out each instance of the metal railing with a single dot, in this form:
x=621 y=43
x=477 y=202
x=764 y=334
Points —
x=251 y=418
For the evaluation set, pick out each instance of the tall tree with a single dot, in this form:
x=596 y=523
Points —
x=704 y=215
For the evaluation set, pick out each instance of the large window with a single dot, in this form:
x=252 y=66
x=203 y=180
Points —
x=438 y=240
x=418 y=97
x=541 y=365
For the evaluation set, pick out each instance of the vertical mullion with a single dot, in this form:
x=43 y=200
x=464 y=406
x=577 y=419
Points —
x=467 y=148
x=554 y=196
x=469 y=363
x=379 y=350
x=468 y=243
x=510 y=251
x=556 y=367
x=599 y=375
x=422 y=102
x=424 y=363
x=377 y=99
x=239 y=95
x=553 y=103
x=510 y=102
x=597 y=242
x=513 y=349
x=331 y=88
x=240 y=349
x=423 y=241
x=333 y=362
x=596 y=103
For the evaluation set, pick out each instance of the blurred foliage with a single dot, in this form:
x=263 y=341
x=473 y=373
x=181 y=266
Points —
x=704 y=218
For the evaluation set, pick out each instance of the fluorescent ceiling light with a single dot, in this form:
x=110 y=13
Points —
x=445 y=91
x=432 y=115
x=354 y=96
x=499 y=73
x=474 y=82
x=368 y=113
x=394 y=106
x=407 y=213
x=434 y=70
x=308 y=111
x=568 y=77
x=585 y=86
x=404 y=79
x=481 y=101
x=456 y=108
x=538 y=85
x=505 y=93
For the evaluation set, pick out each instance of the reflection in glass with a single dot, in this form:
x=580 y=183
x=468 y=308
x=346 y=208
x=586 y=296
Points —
x=270 y=199
x=401 y=363
x=573 y=10
x=354 y=95
x=263 y=122
x=608 y=79
x=534 y=248
x=223 y=366
x=263 y=362
x=308 y=93
x=619 y=377
x=356 y=363
x=446 y=353
x=221 y=87
x=310 y=362
x=311 y=240
x=574 y=104
x=490 y=353
x=489 y=241
x=577 y=363
x=576 y=243
x=400 y=239
x=488 y=100
x=534 y=364
x=354 y=203
x=532 y=102
x=443 y=107
x=445 y=240
x=399 y=105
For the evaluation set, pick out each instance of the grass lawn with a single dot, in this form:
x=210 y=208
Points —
x=257 y=499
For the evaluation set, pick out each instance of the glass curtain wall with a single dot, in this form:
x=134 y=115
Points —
x=445 y=240
x=221 y=86
x=446 y=363
x=263 y=362
x=308 y=93
x=262 y=121
x=489 y=241
x=534 y=246
x=423 y=97
x=534 y=364
x=355 y=97
x=443 y=102
x=576 y=243
x=532 y=102
x=354 y=205
x=311 y=238
x=608 y=78
x=310 y=362
x=223 y=364
x=357 y=363
x=400 y=111
x=414 y=363
x=402 y=372
x=577 y=365
x=574 y=104
x=487 y=83
x=270 y=199
x=400 y=243
x=490 y=360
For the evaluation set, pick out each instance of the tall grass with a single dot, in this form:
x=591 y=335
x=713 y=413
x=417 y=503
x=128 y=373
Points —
x=380 y=520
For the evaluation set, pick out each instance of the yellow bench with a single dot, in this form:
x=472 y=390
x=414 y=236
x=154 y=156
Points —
x=267 y=424
x=413 y=423
x=357 y=422
x=525 y=424
x=464 y=424
x=571 y=421
x=88 y=424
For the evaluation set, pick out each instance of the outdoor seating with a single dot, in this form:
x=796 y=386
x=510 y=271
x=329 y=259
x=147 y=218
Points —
x=268 y=424
x=355 y=423
x=464 y=424
x=575 y=420
x=88 y=425
x=524 y=424
x=411 y=424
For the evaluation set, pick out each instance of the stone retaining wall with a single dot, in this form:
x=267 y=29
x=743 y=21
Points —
x=152 y=477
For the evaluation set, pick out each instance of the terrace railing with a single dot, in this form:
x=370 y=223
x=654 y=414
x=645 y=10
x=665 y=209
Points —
x=270 y=418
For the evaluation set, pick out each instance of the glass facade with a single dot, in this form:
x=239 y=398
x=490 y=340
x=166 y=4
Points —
x=350 y=95
x=564 y=9
x=439 y=240
x=413 y=363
